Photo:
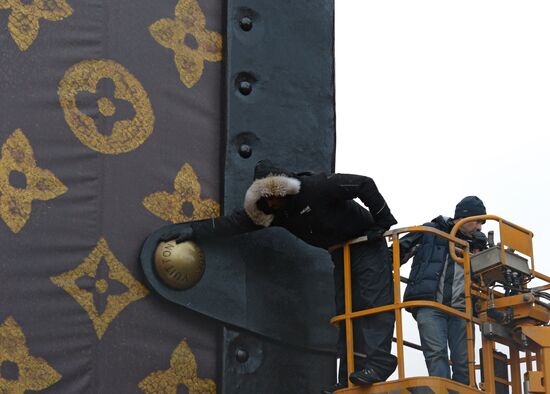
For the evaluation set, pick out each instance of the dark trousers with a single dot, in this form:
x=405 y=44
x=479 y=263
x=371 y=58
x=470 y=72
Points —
x=372 y=286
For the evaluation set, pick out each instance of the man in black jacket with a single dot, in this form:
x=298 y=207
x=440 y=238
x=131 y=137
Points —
x=321 y=210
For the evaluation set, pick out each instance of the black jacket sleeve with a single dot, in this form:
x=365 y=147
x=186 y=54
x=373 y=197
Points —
x=224 y=226
x=348 y=187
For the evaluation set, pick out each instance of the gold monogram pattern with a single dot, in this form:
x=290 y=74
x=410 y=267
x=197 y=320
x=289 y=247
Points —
x=34 y=373
x=187 y=36
x=183 y=370
x=117 y=272
x=23 y=22
x=170 y=206
x=49 y=190
x=126 y=134
x=15 y=202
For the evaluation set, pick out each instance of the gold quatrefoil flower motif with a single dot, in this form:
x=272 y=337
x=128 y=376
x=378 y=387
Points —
x=126 y=135
x=187 y=36
x=117 y=272
x=33 y=373
x=15 y=202
x=183 y=370
x=171 y=206
x=23 y=22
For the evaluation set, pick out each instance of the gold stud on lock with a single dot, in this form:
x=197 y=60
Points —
x=180 y=266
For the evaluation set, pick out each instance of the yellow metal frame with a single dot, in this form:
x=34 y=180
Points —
x=512 y=236
x=412 y=385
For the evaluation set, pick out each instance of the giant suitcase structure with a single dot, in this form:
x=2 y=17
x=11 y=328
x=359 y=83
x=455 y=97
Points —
x=118 y=117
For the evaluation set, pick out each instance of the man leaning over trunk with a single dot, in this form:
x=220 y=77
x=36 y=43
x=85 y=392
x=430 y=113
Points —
x=320 y=209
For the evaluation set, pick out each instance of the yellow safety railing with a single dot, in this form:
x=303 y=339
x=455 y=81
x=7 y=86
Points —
x=397 y=306
x=513 y=237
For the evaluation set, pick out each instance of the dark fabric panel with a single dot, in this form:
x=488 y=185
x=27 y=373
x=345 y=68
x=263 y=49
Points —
x=78 y=246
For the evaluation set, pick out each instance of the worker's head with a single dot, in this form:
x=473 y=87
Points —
x=270 y=192
x=467 y=207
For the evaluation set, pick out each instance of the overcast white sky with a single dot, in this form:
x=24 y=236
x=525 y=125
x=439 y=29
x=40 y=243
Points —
x=438 y=99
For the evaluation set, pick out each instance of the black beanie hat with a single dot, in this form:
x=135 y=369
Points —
x=469 y=206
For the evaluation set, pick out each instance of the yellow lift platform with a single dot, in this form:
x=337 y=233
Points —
x=516 y=317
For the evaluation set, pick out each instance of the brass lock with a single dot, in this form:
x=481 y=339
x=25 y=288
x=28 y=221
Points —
x=180 y=266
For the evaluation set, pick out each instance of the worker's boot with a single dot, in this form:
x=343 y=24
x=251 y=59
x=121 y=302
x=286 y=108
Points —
x=365 y=376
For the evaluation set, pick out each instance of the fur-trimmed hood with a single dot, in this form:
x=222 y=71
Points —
x=277 y=183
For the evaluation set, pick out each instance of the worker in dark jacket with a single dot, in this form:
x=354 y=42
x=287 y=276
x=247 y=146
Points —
x=321 y=210
x=435 y=277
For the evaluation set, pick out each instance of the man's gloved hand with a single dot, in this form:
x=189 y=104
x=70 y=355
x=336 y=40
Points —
x=375 y=233
x=478 y=242
x=384 y=217
x=180 y=235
